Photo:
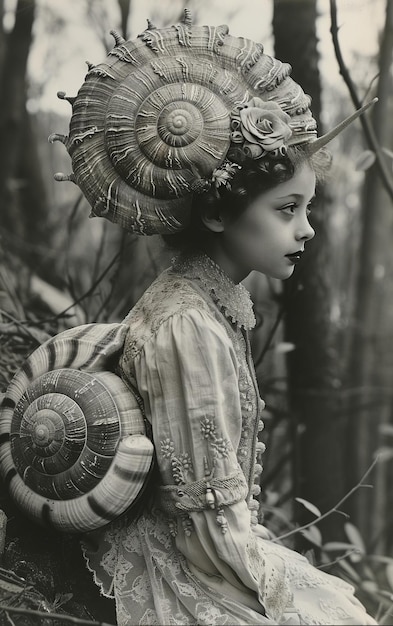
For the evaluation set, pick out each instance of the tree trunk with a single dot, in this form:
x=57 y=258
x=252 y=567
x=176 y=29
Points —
x=23 y=208
x=12 y=110
x=2 y=38
x=371 y=368
x=125 y=7
x=313 y=366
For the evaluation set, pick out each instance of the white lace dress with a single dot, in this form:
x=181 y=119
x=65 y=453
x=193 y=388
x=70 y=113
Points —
x=197 y=557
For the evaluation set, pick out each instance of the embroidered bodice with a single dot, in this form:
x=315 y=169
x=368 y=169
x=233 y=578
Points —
x=196 y=290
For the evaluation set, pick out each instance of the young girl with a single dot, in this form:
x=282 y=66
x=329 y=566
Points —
x=213 y=146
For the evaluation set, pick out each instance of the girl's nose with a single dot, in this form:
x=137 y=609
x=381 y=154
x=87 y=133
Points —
x=305 y=232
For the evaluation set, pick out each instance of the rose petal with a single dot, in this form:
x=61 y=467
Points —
x=249 y=136
x=275 y=145
x=265 y=125
x=253 y=150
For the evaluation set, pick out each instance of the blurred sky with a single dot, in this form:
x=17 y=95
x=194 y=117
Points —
x=64 y=40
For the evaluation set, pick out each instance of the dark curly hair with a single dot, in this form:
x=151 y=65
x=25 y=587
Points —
x=255 y=176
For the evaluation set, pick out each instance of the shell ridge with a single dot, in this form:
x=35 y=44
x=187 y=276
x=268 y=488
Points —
x=51 y=355
x=138 y=217
x=121 y=116
x=158 y=69
x=108 y=199
x=183 y=34
x=154 y=40
x=123 y=98
x=80 y=137
x=184 y=65
x=171 y=221
x=217 y=35
x=124 y=54
x=102 y=71
x=248 y=54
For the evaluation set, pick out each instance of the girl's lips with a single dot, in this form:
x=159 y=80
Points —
x=295 y=256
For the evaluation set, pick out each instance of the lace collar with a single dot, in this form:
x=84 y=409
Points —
x=234 y=300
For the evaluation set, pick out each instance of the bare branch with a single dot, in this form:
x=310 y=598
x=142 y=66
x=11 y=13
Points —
x=16 y=327
x=70 y=619
x=367 y=127
x=333 y=509
x=92 y=288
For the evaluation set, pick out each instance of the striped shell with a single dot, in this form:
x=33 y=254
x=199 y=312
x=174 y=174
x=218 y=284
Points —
x=73 y=449
x=154 y=119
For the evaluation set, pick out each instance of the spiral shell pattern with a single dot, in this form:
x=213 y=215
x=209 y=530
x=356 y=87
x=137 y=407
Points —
x=154 y=118
x=73 y=449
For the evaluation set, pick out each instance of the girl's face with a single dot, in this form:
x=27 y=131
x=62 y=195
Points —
x=270 y=234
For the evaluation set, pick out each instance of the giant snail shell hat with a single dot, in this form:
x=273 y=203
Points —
x=154 y=123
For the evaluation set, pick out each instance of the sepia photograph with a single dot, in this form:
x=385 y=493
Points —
x=196 y=312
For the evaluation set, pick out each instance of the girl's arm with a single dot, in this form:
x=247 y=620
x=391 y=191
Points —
x=187 y=375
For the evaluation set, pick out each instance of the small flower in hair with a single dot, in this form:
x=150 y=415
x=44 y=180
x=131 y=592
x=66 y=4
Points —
x=262 y=127
x=223 y=175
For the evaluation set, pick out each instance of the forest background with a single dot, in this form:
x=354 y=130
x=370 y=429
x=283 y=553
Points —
x=323 y=343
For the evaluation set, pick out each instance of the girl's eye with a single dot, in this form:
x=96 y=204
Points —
x=288 y=209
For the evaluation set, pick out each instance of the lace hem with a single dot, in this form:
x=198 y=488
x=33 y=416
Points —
x=100 y=550
x=271 y=571
x=107 y=594
x=175 y=500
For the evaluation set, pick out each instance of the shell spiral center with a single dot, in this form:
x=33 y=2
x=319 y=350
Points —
x=179 y=124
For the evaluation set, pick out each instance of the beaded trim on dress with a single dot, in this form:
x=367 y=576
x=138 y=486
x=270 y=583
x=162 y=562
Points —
x=234 y=299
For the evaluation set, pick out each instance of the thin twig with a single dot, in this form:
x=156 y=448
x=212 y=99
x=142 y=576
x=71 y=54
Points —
x=104 y=307
x=381 y=618
x=21 y=325
x=98 y=256
x=55 y=616
x=332 y=510
x=9 y=619
x=89 y=291
x=337 y=560
x=70 y=228
x=367 y=127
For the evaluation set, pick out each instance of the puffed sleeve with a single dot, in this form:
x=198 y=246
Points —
x=187 y=374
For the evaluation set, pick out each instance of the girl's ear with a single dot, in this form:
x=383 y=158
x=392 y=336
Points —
x=213 y=220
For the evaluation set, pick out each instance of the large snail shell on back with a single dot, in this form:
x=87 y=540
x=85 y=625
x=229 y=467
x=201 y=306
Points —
x=73 y=451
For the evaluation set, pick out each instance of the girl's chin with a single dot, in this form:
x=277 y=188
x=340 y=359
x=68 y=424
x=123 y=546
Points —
x=280 y=272
x=289 y=273
x=283 y=274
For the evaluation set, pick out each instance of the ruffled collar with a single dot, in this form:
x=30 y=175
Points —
x=233 y=299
